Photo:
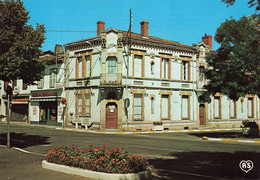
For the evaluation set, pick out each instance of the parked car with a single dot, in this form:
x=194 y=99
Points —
x=250 y=129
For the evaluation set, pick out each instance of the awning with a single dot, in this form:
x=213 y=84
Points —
x=20 y=101
x=45 y=99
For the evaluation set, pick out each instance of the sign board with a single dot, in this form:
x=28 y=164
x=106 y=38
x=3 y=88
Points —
x=63 y=101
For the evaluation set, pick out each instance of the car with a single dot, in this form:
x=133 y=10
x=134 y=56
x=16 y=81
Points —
x=250 y=129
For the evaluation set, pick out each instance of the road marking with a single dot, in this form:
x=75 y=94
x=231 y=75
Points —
x=229 y=140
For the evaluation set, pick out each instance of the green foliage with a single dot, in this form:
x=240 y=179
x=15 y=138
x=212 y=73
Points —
x=250 y=2
x=19 y=44
x=234 y=69
x=98 y=159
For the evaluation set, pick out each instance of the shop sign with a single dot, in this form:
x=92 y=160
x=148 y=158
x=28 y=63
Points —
x=44 y=94
x=60 y=111
x=34 y=110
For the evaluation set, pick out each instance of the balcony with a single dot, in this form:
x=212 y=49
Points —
x=110 y=79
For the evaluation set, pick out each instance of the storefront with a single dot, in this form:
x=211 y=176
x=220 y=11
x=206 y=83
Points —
x=19 y=109
x=45 y=107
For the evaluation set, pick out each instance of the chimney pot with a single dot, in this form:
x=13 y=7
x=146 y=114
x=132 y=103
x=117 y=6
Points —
x=144 y=28
x=207 y=39
x=100 y=27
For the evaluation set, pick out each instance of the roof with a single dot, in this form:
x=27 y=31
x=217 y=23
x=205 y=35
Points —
x=135 y=37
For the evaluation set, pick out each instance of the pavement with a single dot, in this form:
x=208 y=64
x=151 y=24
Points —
x=16 y=163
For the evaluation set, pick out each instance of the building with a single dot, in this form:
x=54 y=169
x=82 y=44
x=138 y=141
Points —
x=222 y=112
x=129 y=88
x=45 y=106
x=124 y=81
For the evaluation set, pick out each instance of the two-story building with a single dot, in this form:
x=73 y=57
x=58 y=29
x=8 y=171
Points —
x=128 y=84
x=221 y=112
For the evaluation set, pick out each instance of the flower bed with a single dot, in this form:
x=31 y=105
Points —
x=98 y=159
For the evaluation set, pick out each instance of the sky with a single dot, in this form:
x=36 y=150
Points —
x=184 y=21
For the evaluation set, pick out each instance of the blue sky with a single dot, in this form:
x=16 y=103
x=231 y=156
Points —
x=185 y=21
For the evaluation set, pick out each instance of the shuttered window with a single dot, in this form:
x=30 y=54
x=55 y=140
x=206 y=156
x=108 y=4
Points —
x=88 y=68
x=165 y=106
x=165 y=68
x=185 y=107
x=79 y=67
x=138 y=106
x=111 y=65
x=138 y=66
x=87 y=104
x=79 y=104
x=217 y=109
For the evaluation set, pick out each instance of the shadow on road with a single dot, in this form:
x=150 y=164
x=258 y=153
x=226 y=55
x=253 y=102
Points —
x=22 y=140
x=206 y=165
x=221 y=135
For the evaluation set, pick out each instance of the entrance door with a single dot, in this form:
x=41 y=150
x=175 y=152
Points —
x=202 y=114
x=111 y=116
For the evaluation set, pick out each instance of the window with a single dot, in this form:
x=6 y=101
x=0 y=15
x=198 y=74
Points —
x=232 y=109
x=111 y=65
x=40 y=84
x=52 y=77
x=87 y=103
x=250 y=107
x=14 y=84
x=88 y=68
x=152 y=105
x=152 y=68
x=185 y=107
x=138 y=102
x=138 y=65
x=83 y=104
x=217 y=107
x=25 y=86
x=79 y=104
x=165 y=68
x=242 y=105
x=201 y=74
x=165 y=106
x=79 y=67
x=185 y=70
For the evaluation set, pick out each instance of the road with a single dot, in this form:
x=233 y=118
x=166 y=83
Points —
x=175 y=155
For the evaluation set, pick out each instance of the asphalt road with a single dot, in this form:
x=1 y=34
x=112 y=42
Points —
x=172 y=156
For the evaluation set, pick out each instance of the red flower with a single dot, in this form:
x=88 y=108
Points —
x=50 y=148
x=72 y=144
x=98 y=147
x=104 y=147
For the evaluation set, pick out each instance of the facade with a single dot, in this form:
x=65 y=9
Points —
x=39 y=104
x=222 y=112
x=124 y=82
x=125 y=89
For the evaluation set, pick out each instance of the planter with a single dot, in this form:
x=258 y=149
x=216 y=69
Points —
x=95 y=175
x=157 y=128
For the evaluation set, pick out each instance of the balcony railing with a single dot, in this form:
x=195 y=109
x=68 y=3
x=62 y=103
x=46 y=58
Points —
x=113 y=79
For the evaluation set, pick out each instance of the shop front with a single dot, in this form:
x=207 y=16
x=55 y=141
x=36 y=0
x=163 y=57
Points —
x=45 y=108
x=19 y=109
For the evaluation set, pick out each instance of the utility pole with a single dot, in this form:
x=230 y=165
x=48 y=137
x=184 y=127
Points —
x=9 y=93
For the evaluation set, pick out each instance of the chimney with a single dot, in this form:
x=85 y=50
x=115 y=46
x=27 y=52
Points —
x=100 y=27
x=207 y=39
x=144 y=28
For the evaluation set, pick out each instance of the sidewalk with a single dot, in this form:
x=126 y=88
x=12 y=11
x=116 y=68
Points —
x=27 y=166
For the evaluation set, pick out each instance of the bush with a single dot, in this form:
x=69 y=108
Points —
x=97 y=159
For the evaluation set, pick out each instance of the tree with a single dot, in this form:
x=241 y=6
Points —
x=19 y=44
x=250 y=2
x=234 y=69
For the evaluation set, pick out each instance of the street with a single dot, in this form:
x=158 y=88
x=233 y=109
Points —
x=172 y=155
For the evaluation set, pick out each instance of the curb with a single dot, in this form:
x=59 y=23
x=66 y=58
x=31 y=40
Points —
x=229 y=140
x=22 y=150
x=94 y=174
x=146 y=132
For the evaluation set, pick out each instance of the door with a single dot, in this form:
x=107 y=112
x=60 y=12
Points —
x=111 y=116
x=202 y=115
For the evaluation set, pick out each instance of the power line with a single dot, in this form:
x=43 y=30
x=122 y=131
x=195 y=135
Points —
x=70 y=31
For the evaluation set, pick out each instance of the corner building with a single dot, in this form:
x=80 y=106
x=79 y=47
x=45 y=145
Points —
x=128 y=82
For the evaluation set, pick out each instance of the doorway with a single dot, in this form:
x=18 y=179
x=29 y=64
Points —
x=202 y=115
x=111 y=116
